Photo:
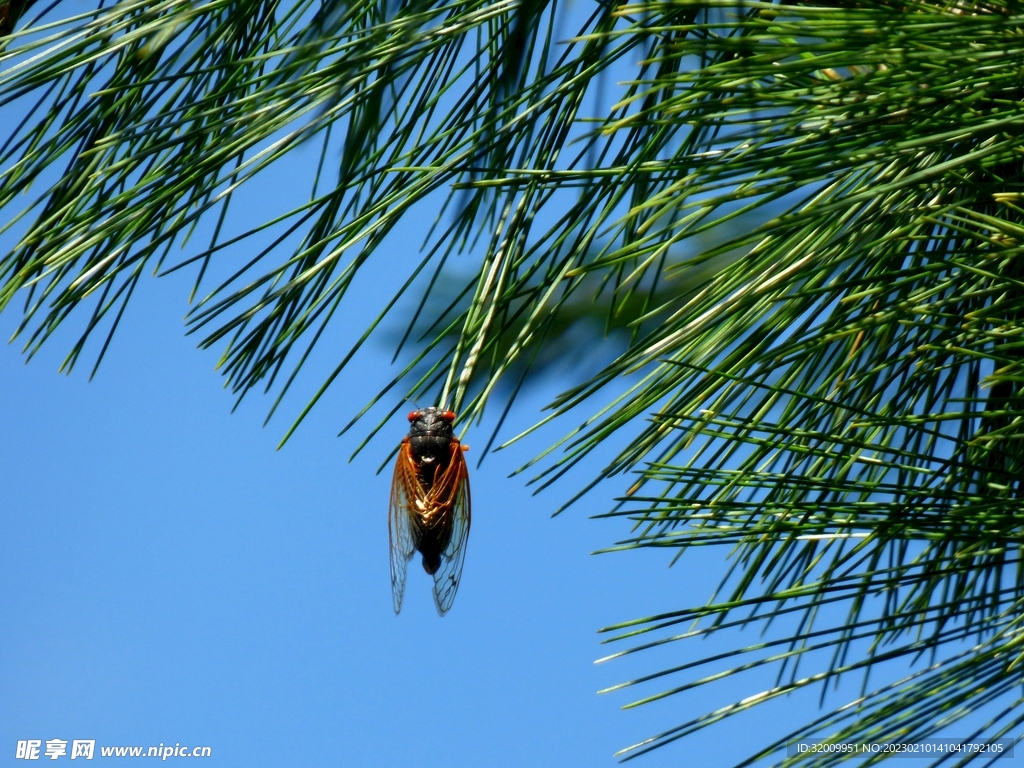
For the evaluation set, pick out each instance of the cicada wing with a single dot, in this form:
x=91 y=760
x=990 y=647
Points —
x=454 y=493
x=402 y=529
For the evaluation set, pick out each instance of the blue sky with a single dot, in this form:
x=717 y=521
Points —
x=167 y=576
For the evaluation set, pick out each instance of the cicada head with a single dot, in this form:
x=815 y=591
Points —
x=431 y=421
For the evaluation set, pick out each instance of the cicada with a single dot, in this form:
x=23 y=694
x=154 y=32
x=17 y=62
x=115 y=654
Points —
x=430 y=507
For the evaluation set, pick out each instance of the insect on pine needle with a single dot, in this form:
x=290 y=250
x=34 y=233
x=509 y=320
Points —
x=430 y=506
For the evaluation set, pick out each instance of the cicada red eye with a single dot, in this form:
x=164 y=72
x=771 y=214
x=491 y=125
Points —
x=412 y=415
x=448 y=416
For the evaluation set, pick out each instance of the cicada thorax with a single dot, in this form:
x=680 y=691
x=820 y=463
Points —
x=432 y=454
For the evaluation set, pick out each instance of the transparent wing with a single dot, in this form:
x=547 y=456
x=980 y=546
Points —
x=402 y=529
x=453 y=495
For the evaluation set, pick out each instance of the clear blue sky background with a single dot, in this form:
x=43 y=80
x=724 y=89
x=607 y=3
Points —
x=167 y=576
